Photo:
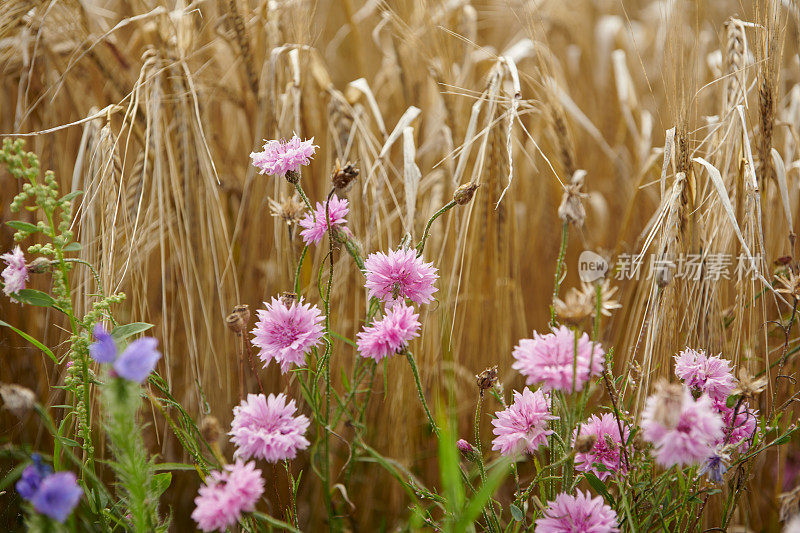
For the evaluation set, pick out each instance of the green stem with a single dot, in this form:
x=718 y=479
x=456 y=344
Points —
x=413 y=364
x=426 y=233
x=559 y=266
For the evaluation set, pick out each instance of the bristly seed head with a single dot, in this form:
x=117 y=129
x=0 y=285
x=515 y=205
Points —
x=464 y=193
x=487 y=378
x=343 y=177
x=289 y=209
x=239 y=318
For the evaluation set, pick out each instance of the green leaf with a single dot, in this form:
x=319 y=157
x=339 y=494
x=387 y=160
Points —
x=483 y=495
x=126 y=330
x=174 y=466
x=161 y=483
x=34 y=297
x=516 y=513
x=23 y=226
x=71 y=196
x=31 y=340
x=73 y=247
x=599 y=486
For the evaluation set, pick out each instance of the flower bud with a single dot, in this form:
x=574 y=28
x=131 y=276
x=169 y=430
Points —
x=463 y=194
x=239 y=318
x=210 y=429
x=40 y=265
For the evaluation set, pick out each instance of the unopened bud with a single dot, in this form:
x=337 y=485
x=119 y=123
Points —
x=463 y=194
x=467 y=449
x=239 y=318
x=40 y=265
x=292 y=177
x=17 y=399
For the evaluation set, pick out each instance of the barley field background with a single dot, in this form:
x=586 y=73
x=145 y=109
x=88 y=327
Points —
x=681 y=118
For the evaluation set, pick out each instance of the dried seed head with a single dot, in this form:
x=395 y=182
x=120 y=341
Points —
x=40 y=265
x=464 y=193
x=288 y=298
x=607 y=292
x=290 y=209
x=343 y=177
x=487 y=378
x=669 y=404
x=790 y=284
x=749 y=386
x=239 y=318
x=210 y=429
x=575 y=307
x=17 y=399
x=638 y=442
x=584 y=443
x=571 y=209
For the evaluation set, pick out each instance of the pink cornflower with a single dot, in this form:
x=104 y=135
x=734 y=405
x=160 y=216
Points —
x=577 y=514
x=737 y=433
x=523 y=426
x=16 y=272
x=280 y=157
x=390 y=334
x=226 y=495
x=315 y=223
x=683 y=430
x=711 y=375
x=607 y=447
x=400 y=274
x=550 y=359
x=286 y=334
x=266 y=428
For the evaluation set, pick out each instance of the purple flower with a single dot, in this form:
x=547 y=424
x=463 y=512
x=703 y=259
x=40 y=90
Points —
x=390 y=334
x=711 y=375
x=280 y=157
x=226 y=494
x=104 y=349
x=684 y=431
x=577 y=514
x=523 y=426
x=558 y=360
x=266 y=428
x=16 y=272
x=32 y=477
x=400 y=274
x=715 y=467
x=316 y=225
x=57 y=495
x=606 y=449
x=286 y=334
x=138 y=359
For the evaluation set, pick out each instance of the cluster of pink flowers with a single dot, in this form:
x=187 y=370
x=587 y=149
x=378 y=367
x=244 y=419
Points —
x=266 y=428
x=393 y=278
x=606 y=449
x=390 y=334
x=523 y=426
x=683 y=430
x=286 y=333
x=558 y=360
x=712 y=375
x=226 y=495
x=316 y=223
x=279 y=157
x=577 y=514
x=15 y=274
